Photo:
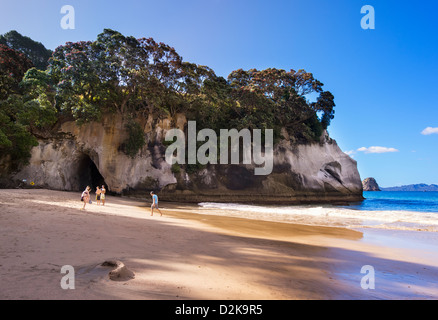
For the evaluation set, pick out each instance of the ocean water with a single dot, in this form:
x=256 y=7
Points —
x=399 y=200
x=416 y=211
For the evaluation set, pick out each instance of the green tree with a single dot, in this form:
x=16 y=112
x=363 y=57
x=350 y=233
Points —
x=15 y=138
x=74 y=71
x=325 y=104
x=13 y=65
x=26 y=104
x=123 y=74
x=39 y=111
x=35 y=51
x=280 y=98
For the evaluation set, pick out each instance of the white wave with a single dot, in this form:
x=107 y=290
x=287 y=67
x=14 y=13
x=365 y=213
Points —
x=328 y=216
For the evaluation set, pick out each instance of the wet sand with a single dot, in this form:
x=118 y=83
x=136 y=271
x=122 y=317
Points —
x=186 y=255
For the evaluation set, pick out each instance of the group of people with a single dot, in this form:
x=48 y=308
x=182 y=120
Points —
x=100 y=196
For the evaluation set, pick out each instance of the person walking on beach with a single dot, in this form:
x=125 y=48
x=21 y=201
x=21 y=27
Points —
x=98 y=193
x=102 y=194
x=154 y=204
x=85 y=196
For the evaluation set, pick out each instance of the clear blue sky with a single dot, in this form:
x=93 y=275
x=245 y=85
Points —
x=384 y=80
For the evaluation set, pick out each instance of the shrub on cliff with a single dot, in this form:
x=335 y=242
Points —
x=135 y=140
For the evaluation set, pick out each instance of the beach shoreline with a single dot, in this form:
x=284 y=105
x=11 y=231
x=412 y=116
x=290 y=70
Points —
x=187 y=255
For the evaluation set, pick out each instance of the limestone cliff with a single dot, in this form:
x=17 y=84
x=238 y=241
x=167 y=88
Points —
x=90 y=155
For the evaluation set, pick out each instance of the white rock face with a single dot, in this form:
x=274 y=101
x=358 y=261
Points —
x=51 y=166
x=81 y=155
x=321 y=166
x=59 y=164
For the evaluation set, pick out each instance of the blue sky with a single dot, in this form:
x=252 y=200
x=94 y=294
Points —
x=384 y=80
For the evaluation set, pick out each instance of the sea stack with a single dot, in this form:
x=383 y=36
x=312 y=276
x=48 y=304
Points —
x=370 y=184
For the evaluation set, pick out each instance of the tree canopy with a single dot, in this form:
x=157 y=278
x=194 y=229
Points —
x=35 y=51
x=138 y=77
x=122 y=74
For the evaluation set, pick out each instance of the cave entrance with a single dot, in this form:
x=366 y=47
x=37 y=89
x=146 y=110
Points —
x=89 y=175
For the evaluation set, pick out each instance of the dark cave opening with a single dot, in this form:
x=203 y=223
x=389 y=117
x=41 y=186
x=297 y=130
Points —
x=89 y=175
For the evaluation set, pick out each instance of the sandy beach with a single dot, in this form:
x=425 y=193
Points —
x=187 y=255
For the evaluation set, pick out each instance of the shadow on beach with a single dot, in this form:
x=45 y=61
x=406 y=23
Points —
x=184 y=255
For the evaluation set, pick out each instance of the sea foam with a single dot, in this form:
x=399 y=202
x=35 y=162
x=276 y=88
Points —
x=327 y=215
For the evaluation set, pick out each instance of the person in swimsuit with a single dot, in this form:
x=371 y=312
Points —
x=98 y=193
x=102 y=194
x=85 y=196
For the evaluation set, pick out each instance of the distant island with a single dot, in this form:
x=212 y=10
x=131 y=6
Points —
x=370 y=184
x=413 y=187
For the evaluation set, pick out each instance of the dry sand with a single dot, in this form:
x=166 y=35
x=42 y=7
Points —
x=185 y=255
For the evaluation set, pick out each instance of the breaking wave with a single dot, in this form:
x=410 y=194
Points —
x=328 y=215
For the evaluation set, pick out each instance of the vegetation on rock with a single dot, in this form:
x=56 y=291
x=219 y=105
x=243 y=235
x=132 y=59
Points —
x=139 y=77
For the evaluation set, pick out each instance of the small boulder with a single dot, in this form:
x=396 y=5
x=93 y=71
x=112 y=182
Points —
x=370 y=184
x=120 y=272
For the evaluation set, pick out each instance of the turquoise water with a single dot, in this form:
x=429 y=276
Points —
x=398 y=201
